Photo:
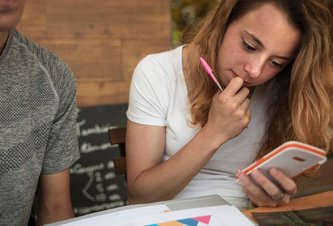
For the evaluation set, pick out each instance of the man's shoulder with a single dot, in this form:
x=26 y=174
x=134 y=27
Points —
x=45 y=56
x=48 y=61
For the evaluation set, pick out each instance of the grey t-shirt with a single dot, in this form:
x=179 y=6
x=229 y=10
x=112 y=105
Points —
x=37 y=123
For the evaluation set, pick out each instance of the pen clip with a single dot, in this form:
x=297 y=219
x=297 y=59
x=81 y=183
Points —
x=209 y=71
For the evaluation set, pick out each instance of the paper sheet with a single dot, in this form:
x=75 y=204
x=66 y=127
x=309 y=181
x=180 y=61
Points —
x=224 y=215
x=120 y=218
x=160 y=215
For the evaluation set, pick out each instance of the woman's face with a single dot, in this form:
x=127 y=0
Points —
x=257 y=46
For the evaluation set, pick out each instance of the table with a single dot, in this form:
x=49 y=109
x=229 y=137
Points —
x=311 y=201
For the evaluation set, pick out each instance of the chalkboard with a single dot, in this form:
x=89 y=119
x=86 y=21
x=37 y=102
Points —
x=94 y=185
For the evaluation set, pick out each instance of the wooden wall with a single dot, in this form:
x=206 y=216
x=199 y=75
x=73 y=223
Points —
x=102 y=40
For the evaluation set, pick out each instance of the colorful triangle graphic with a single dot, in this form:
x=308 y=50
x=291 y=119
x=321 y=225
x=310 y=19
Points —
x=203 y=219
x=189 y=222
x=186 y=222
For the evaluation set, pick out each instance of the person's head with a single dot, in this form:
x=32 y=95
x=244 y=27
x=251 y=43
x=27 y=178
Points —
x=10 y=15
x=257 y=46
x=247 y=38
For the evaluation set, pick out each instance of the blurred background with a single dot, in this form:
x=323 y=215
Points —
x=103 y=40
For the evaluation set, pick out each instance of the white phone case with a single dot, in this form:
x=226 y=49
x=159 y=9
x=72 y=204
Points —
x=292 y=158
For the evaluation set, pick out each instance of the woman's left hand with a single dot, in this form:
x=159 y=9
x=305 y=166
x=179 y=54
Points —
x=263 y=192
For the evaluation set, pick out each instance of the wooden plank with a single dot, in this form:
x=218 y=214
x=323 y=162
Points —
x=91 y=60
x=102 y=41
x=102 y=93
x=100 y=18
x=106 y=92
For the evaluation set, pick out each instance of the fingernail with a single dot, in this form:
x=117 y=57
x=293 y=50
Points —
x=273 y=172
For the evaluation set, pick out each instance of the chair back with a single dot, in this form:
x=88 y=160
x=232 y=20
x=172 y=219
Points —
x=324 y=182
x=118 y=136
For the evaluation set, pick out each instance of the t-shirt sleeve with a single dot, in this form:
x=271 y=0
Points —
x=62 y=149
x=148 y=96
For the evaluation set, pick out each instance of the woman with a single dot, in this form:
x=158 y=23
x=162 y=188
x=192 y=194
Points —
x=185 y=138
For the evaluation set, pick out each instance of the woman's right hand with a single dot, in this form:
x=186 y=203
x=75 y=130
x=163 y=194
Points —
x=229 y=114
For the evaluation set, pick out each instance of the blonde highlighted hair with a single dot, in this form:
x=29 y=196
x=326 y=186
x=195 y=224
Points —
x=305 y=112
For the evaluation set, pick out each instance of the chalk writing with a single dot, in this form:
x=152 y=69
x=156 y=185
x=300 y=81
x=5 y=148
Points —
x=89 y=209
x=79 y=169
x=87 y=147
x=94 y=185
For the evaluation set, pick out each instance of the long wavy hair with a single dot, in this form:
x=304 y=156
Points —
x=305 y=111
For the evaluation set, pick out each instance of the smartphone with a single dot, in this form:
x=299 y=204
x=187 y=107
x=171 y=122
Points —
x=293 y=158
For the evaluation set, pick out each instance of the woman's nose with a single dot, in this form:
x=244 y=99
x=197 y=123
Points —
x=254 y=67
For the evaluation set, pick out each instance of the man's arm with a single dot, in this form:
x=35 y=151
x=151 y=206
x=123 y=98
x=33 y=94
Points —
x=54 y=202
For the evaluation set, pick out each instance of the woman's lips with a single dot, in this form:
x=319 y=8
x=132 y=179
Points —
x=245 y=84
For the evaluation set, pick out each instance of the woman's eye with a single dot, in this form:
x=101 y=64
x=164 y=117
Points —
x=248 y=46
x=276 y=64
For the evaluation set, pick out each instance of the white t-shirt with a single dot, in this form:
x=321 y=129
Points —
x=158 y=96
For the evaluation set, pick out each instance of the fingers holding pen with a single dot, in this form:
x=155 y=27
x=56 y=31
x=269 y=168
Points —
x=230 y=110
x=236 y=91
x=234 y=86
x=236 y=101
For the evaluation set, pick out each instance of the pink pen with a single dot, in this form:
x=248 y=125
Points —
x=209 y=71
